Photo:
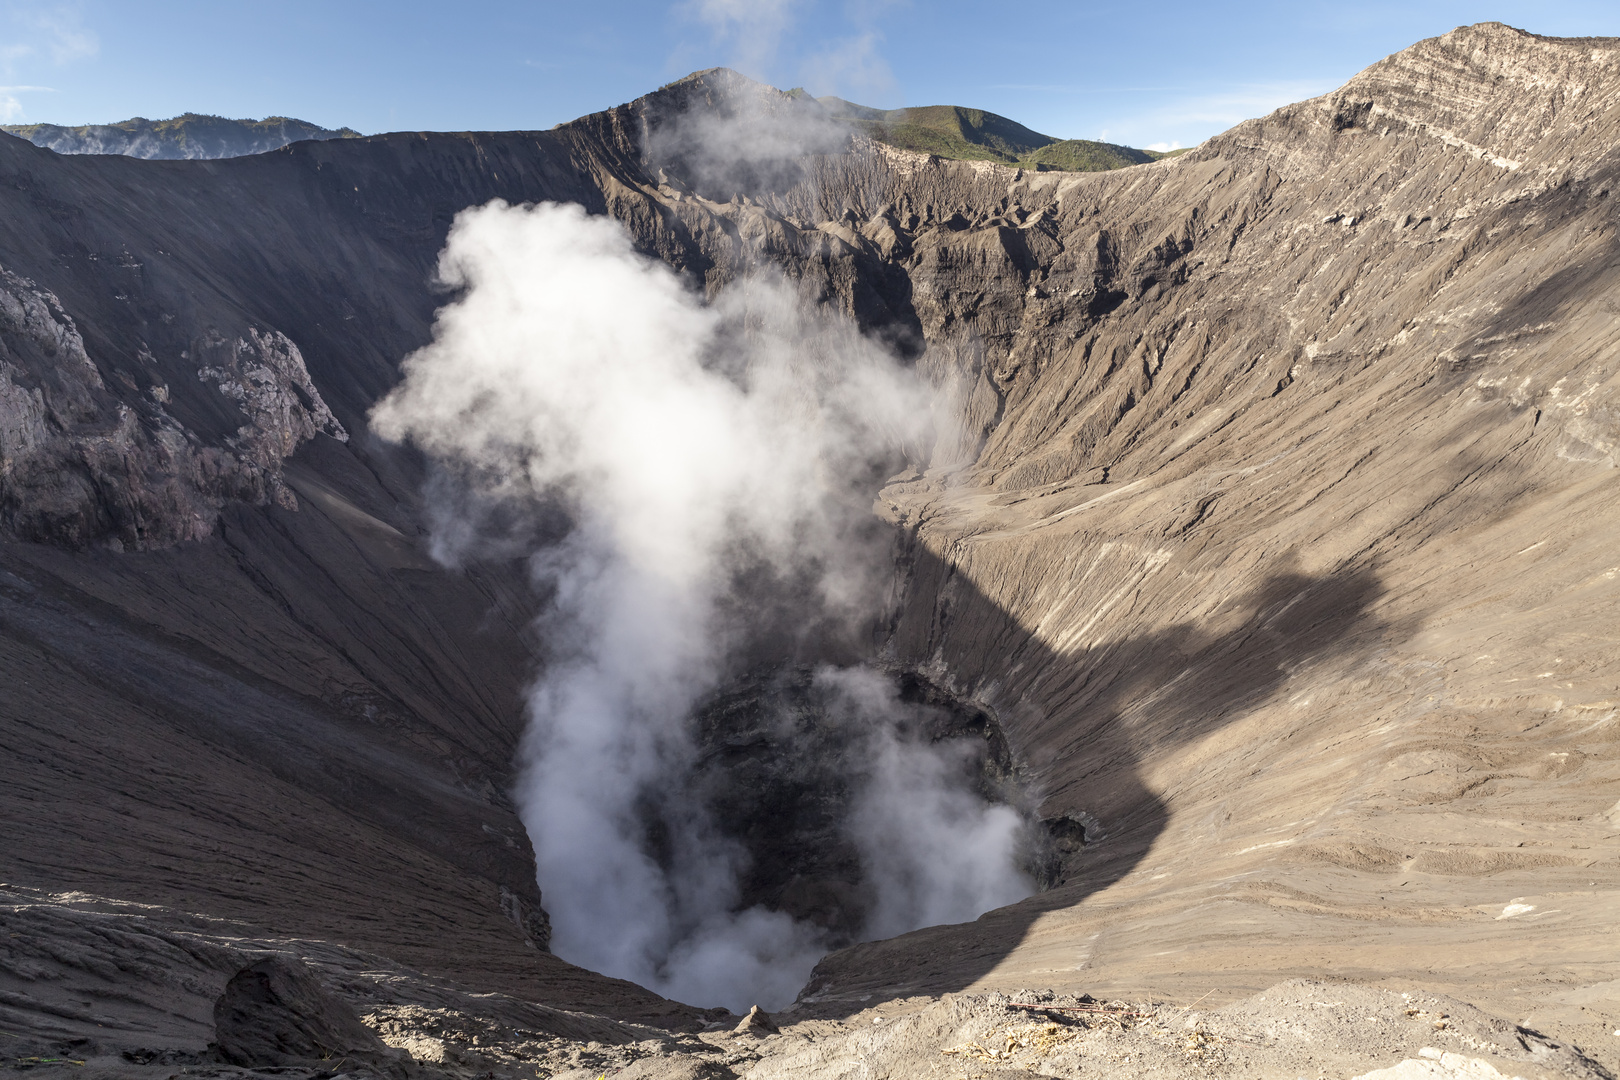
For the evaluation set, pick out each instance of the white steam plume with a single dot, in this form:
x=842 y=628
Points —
x=724 y=133
x=932 y=850
x=697 y=452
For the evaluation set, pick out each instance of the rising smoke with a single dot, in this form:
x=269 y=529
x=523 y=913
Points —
x=723 y=133
x=715 y=465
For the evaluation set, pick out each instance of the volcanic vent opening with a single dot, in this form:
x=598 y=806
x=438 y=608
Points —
x=706 y=468
x=867 y=802
x=845 y=803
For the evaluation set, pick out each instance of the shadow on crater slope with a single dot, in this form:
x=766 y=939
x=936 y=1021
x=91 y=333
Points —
x=1127 y=700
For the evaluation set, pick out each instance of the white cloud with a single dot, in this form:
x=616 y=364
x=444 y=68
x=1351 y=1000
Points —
x=750 y=30
x=1191 y=118
x=11 y=106
x=66 y=37
x=33 y=38
x=1162 y=147
x=852 y=68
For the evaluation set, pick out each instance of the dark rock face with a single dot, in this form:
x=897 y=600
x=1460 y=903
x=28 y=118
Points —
x=276 y=1012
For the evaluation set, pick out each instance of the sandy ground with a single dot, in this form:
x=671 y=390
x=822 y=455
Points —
x=106 y=989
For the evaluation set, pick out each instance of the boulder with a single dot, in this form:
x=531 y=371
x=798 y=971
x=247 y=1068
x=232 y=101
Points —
x=276 y=1012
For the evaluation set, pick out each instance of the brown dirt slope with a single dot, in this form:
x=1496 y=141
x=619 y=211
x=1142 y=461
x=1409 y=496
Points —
x=1287 y=552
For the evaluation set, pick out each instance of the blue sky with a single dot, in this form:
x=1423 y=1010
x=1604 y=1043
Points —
x=1143 y=74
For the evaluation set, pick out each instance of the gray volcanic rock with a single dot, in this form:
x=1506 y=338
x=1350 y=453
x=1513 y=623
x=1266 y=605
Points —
x=273 y=706
x=135 y=990
x=275 y=1012
x=1283 y=553
x=1280 y=546
x=78 y=464
x=757 y=1022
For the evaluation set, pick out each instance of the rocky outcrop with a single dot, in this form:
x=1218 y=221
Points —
x=81 y=463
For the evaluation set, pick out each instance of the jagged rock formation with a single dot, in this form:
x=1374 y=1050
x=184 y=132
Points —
x=79 y=464
x=191 y=137
x=1280 y=543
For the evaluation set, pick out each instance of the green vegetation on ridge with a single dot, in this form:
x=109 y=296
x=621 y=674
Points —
x=952 y=131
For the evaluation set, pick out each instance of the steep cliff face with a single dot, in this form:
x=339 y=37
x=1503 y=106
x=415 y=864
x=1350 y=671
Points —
x=1278 y=540
x=237 y=685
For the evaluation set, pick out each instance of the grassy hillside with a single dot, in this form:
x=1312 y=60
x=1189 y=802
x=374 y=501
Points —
x=952 y=131
x=1083 y=155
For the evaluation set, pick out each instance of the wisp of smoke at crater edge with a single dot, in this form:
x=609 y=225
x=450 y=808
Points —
x=682 y=440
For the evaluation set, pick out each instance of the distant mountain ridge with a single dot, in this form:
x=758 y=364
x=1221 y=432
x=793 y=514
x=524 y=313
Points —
x=189 y=136
x=954 y=131
x=948 y=131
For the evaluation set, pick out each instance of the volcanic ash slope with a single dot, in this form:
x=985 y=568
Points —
x=1288 y=552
